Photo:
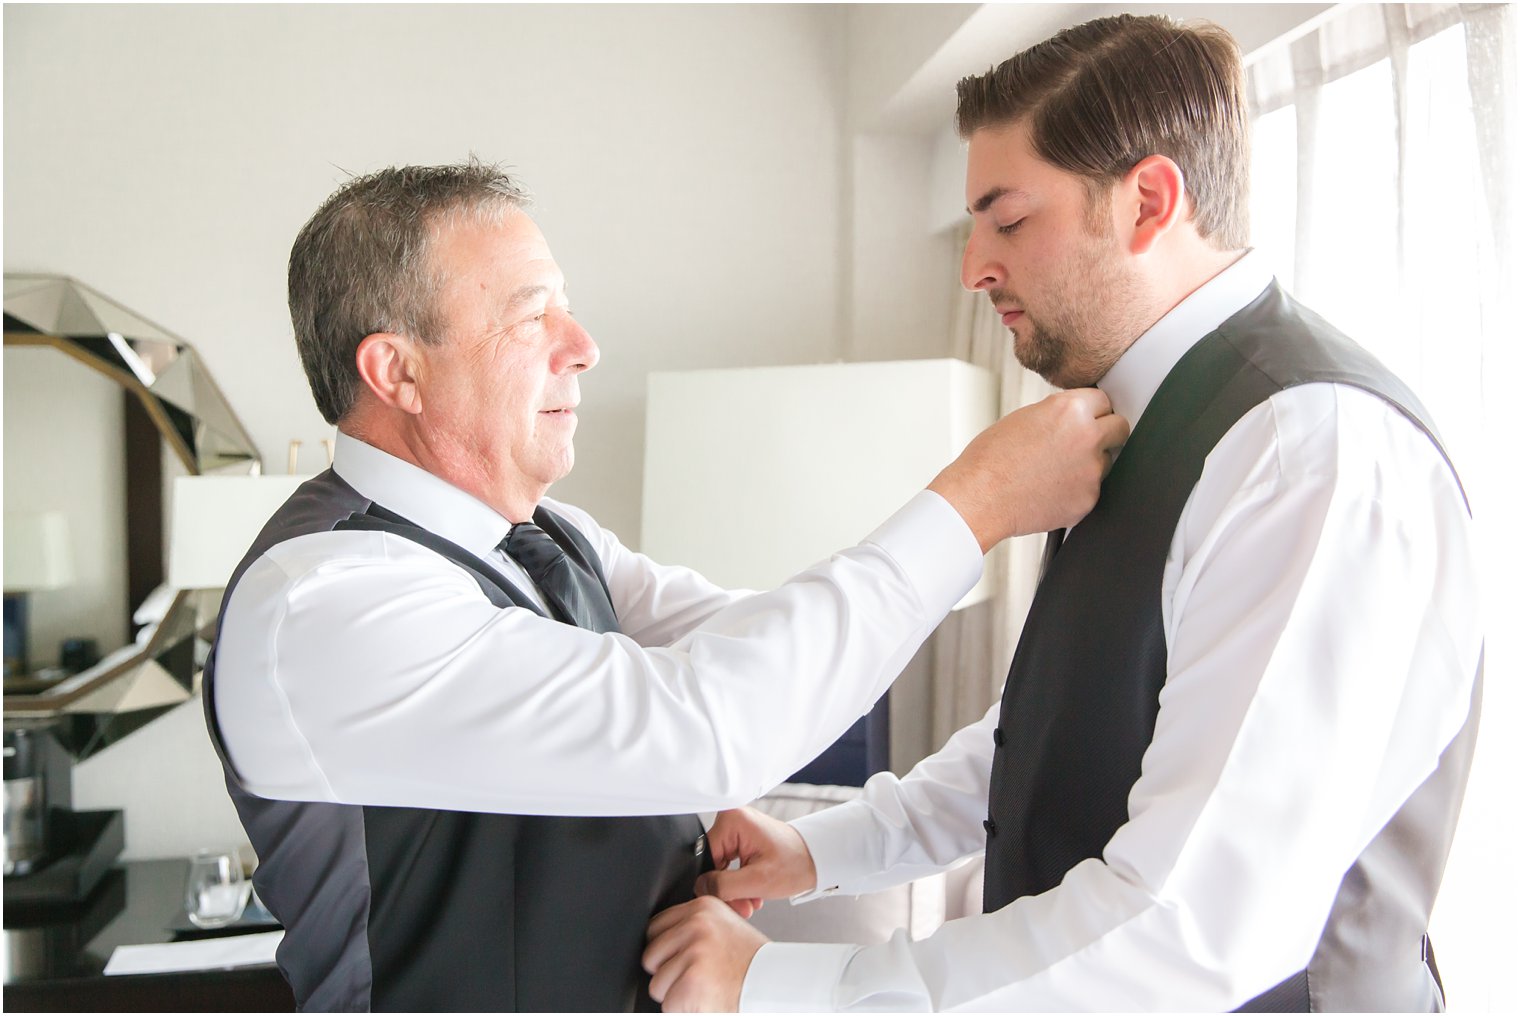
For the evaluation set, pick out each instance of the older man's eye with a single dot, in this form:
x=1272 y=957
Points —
x=1005 y=230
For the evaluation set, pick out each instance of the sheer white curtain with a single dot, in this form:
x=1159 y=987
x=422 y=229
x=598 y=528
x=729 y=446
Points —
x=973 y=647
x=1385 y=193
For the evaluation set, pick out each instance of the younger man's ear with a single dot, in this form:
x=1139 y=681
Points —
x=1158 y=199
x=387 y=365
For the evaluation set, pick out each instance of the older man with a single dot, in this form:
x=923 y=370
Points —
x=1235 y=735
x=430 y=677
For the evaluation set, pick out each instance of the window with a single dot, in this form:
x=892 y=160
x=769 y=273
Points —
x=1385 y=191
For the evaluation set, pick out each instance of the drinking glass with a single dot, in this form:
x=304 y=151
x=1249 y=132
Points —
x=215 y=891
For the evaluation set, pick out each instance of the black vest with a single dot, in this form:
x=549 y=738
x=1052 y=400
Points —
x=1079 y=708
x=394 y=909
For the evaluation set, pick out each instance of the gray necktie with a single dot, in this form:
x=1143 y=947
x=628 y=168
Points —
x=1053 y=541
x=575 y=596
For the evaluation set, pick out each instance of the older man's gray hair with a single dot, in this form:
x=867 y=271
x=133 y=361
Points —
x=363 y=264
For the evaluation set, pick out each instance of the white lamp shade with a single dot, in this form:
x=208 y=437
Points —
x=38 y=554
x=215 y=521
x=752 y=475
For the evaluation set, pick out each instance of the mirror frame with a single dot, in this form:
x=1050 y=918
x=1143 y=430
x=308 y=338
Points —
x=194 y=420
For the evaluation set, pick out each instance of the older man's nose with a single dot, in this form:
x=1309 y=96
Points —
x=578 y=350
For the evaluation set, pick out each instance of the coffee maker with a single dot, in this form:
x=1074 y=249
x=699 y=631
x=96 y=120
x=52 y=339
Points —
x=38 y=780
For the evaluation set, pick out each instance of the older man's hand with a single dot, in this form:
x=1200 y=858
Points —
x=1037 y=468
x=697 y=956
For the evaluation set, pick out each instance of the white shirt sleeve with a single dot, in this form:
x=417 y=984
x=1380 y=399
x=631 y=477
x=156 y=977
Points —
x=899 y=830
x=656 y=604
x=1319 y=605
x=357 y=667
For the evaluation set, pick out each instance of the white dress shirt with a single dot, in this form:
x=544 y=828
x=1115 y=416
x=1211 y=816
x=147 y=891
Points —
x=1321 y=623
x=360 y=668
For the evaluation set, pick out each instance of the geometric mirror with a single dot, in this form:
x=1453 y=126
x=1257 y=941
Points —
x=162 y=370
x=92 y=705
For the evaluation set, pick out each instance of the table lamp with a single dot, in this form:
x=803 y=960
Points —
x=38 y=556
x=215 y=521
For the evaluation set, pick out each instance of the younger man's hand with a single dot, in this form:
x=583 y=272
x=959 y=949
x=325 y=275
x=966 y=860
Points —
x=697 y=956
x=774 y=862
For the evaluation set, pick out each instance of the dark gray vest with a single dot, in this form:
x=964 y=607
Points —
x=397 y=909
x=1079 y=708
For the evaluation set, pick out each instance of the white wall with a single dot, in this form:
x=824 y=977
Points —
x=685 y=161
x=903 y=278
x=887 y=46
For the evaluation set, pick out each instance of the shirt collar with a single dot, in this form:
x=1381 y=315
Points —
x=1133 y=380
x=418 y=496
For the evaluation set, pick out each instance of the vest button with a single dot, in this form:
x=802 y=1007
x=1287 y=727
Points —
x=990 y=826
x=997 y=736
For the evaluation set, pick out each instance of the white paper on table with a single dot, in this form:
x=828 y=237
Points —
x=200 y=954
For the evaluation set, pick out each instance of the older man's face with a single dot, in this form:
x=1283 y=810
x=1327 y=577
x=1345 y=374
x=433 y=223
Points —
x=499 y=390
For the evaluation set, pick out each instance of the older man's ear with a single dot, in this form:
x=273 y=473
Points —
x=387 y=365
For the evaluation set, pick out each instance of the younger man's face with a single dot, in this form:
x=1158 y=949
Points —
x=1048 y=257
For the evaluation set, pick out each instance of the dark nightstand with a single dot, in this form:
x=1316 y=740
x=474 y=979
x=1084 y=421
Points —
x=55 y=955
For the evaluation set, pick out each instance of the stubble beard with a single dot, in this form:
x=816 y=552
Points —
x=1039 y=350
x=1086 y=325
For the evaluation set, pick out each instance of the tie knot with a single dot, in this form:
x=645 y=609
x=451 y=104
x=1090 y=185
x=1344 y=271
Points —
x=576 y=596
x=523 y=534
x=532 y=548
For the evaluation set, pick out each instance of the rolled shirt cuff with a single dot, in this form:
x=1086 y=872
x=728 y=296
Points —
x=840 y=841
x=795 y=977
x=935 y=548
